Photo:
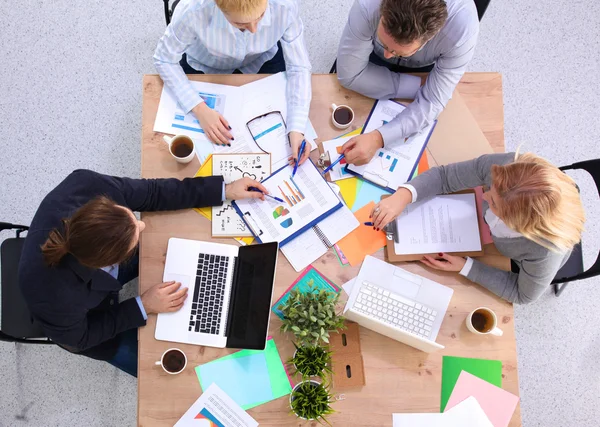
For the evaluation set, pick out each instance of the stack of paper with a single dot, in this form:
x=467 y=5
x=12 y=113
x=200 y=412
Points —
x=466 y=414
x=249 y=377
x=215 y=408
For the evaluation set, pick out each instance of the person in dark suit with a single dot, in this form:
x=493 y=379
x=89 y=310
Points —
x=81 y=249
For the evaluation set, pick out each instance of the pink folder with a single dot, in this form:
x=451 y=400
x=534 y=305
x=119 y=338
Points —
x=499 y=405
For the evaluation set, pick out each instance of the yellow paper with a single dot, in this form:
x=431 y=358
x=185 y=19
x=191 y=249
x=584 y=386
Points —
x=204 y=171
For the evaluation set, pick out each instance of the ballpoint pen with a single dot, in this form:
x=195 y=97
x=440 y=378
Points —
x=266 y=195
x=328 y=168
x=300 y=152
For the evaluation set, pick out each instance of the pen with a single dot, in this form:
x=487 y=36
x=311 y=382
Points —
x=328 y=168
x=370 y=224
x=267 y=195
x=299 y=156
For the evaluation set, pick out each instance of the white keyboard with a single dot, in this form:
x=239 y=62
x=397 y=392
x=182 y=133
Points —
x=395 y=310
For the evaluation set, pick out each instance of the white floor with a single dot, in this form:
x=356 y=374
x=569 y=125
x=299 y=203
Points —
x=71 y=98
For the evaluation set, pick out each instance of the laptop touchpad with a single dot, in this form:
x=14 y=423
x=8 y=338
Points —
x=184 y=280
x=406 y=284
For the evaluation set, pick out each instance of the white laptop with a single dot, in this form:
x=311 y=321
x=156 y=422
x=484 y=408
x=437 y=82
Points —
x=398 y=304
x=229 y=294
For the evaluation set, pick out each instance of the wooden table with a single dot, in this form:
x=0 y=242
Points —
x=398 y=378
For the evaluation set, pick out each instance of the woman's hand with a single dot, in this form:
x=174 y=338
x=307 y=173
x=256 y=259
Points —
x=214 y=125
x=389 y=208
x=296 y=139
x=445 y=262
x=164 y=297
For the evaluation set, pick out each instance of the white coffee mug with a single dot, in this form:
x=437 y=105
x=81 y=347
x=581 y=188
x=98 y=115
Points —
x=162 y=361
x=486 y=320
x=335 y=122
x=174 y=141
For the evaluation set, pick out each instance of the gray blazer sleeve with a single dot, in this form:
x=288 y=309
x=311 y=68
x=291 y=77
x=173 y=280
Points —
x=459 y=176
x=528 y=285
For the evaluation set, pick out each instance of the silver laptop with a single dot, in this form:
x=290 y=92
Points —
x=398 y=304
x=229 y=294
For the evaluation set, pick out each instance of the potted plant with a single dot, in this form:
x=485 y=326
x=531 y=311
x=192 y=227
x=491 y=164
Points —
x=311 y=315
x=311 y=401
x=311 y=361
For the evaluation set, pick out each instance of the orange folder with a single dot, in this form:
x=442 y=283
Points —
x=364 y=240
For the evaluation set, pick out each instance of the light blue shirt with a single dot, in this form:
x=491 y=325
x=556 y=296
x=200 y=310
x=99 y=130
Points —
x=113 y=270
x=212 y=45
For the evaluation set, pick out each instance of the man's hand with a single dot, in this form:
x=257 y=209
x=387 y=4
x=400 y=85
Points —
x=389 y=208
x=240 y=190
x=296 y=139
x=214 y=125
x=164 y=297
x=361 y=149
x=444 y=262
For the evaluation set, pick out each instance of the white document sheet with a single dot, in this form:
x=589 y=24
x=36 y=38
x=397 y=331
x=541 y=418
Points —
x=311 y=245
x=348 y=286
x=466 y=414
x=306 y=198
x=333 y=147
x=215 y=407
x=225 y=220
x=171 y=119
x=446 y=223
x=394 y=164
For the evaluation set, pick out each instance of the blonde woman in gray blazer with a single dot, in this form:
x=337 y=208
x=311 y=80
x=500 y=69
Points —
x=533 y=210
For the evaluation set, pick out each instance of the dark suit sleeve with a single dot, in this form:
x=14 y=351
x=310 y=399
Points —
x=91 y=328
x=145 y=195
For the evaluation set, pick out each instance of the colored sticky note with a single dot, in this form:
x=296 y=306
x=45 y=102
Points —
x=364 y=240
x=280 y=382
x=204 y=171
x=245 y=379
x=310 y=276
x=488 y=370
x=368 y=193
x=484 y=229
x=498 y=405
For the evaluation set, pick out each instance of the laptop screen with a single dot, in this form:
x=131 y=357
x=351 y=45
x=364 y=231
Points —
x=251 y=293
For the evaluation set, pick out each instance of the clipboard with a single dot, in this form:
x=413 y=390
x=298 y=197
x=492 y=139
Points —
x=254 y=227
x=391 y=255
x=414 y=166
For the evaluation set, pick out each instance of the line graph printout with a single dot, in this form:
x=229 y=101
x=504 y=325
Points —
x=306 y=198
x=225 y=220
x=394 y=164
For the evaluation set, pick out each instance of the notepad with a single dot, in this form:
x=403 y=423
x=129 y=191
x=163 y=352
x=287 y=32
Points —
x=498 y=404
x=249 y=377
x=306 y=200
x=488 y=370
x=364 y=240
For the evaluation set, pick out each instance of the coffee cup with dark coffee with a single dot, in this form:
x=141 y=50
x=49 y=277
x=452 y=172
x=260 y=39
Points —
x=483 y=321
x=342 y=116
x=173 y=361
x=181 y=148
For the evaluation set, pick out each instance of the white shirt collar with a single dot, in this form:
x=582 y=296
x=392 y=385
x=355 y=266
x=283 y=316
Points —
x=498 y=228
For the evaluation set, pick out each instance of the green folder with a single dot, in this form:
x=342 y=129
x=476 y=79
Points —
x=488 y=370
x=281 y=384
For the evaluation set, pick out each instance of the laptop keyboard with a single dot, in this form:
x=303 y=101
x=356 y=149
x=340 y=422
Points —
x=395 y=310
x=207 y=302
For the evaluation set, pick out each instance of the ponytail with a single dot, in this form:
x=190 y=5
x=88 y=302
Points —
x=56 y=247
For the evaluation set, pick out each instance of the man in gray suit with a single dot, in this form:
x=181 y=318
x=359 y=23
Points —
x=384 y=39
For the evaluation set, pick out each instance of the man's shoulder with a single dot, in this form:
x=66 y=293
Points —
x=463 y=21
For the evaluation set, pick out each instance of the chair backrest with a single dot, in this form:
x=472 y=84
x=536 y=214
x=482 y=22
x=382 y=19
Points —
x=17 y=324
x=169 y=10
x=593 y=168
x=481 y=6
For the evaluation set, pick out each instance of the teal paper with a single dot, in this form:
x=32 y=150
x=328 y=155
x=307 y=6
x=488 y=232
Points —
x=245 y=379
x=366 y=194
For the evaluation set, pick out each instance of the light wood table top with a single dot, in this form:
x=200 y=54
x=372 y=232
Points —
x=398 y=377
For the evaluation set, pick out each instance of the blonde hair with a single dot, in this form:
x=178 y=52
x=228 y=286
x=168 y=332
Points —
x=243 y=7
x=539 y=201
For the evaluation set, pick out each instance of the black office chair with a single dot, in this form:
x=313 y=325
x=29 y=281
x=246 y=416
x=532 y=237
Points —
x=481 y=6
x=17 y=324
x=169 y=11
x=573 y=269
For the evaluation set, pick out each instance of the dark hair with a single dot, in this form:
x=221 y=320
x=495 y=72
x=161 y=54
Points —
x=408 y=21
x=99 y=234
